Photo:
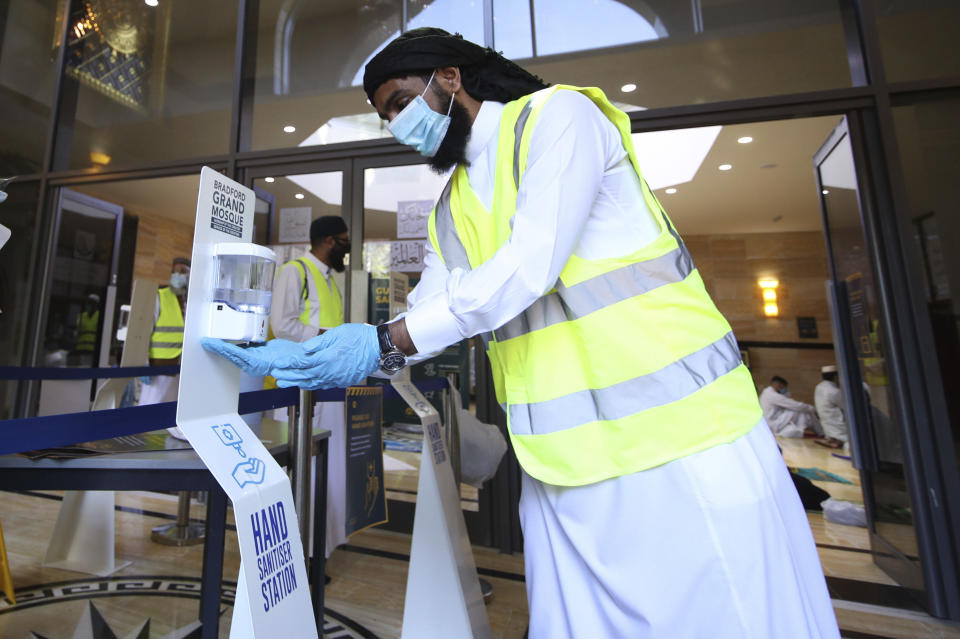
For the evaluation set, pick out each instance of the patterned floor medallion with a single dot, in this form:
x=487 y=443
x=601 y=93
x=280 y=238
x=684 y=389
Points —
x=93 y=624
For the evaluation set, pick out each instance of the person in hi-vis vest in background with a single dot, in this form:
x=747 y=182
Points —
x=166 y=341
x=654 y=503
x=306 y=302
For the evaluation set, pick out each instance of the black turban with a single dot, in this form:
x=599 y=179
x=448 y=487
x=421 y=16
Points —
x=485 y=74
x=326 y=226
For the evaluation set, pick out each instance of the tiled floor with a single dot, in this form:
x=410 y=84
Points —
x=365 y=598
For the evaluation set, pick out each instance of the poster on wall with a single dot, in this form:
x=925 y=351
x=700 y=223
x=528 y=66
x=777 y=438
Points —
x=407 y=256
x=293 y=224
x=412 y=216
x=366 y=496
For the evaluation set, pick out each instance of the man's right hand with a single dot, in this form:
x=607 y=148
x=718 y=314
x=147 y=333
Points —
x=258 y=360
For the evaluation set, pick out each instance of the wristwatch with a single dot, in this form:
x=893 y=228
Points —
x=392 y=359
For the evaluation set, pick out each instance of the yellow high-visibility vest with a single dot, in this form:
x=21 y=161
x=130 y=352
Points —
x=87 y=331
x=626 y=364
x=328 y=297
x=166 y=342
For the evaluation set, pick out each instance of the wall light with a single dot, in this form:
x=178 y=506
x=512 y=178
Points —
x=99 y=157
x=768 y=287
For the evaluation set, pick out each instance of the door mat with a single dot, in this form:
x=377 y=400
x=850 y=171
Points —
x=818 y=474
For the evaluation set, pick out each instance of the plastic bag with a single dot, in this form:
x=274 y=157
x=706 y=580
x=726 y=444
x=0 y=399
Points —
x=844 y=512
x=482 y=446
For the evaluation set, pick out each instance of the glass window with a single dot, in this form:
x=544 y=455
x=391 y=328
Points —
x=28 y=52
x=671 y=53
x=310 y=59
x=148 y=83
x=456 y=16
x=512 y=33
x=18 y=214
x=928 y=135
x=904 y=24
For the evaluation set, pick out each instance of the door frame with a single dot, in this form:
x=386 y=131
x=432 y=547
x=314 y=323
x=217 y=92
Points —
x=920 y=411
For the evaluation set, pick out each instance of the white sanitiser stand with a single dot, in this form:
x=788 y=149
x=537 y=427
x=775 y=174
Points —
x=83 y=537
x=274 y=601
x=443 y=598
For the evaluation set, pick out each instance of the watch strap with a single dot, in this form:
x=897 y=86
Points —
x=383 y=336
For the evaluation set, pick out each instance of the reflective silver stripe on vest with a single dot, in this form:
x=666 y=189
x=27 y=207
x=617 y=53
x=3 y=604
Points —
x=517 y=135
x=166 y=344
x=579 y=300
x=669 y=384
x=168 y=329
x=451 y=248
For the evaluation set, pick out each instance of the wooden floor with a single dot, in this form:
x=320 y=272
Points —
x=365 y=598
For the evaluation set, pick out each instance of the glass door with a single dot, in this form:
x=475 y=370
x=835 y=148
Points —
x=82 y=301
x=877 y=443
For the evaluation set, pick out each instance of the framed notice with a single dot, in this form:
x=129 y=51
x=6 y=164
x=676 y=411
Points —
x=407 y=256
x=412 y=216
x=294 y=224
x=366 y=496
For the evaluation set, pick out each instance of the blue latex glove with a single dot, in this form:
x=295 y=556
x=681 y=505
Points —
x=259 y=360
x=342 y=356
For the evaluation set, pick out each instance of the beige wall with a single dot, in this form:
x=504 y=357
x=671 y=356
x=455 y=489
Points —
x=731 y=265
x=159 y=240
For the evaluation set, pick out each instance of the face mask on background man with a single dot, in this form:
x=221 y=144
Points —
x=178 y=281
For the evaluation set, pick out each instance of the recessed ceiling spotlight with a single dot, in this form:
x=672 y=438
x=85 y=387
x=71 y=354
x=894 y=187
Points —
x=151 y=3
x=670 y=191
x=769 y=165
x=745 y=139
x=269 y=179
x=299 y=196
x=825 y=191
x=289 y=128
x=725 y=167
x=627 y=88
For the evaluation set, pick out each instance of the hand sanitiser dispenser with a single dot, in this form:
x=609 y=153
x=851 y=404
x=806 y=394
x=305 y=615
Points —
x=242 y=289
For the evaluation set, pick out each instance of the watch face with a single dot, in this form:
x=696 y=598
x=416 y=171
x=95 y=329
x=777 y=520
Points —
x=393 y=361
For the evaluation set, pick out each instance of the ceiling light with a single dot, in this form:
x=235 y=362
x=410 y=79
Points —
x=670 y=191
x=745 y=139
x=725 y=167
x=771 y=309
x=150 y=3
x=768 y=283
x=299 y=196
x=289 y=128
x=627 y=88
x=825 y=191
x=99 y=157
x=268 y=179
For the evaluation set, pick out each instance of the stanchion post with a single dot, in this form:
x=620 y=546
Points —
x=300 y=440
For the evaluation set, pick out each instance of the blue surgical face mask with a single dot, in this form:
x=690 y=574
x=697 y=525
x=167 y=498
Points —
x=782 y=390
x=3 y=196
x=421 y=127
x=178 y=281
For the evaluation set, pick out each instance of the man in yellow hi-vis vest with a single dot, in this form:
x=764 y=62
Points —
x=654 y=500
x=166 y=341
x=306 y=302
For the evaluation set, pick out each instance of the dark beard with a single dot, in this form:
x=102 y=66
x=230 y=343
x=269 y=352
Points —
x=336 y=261
x=453 y=149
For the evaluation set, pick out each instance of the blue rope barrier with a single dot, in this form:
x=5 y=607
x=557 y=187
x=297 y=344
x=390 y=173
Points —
x=25 y=372
x=18 y=435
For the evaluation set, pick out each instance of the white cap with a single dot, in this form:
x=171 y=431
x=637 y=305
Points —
x=828 y=369
x=94 y=297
